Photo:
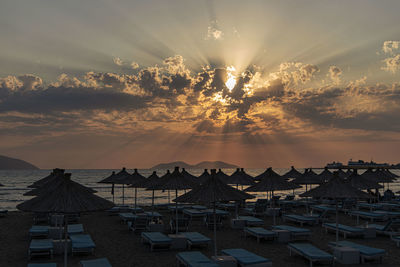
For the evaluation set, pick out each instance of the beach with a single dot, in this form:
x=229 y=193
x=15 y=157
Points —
x=123 y=248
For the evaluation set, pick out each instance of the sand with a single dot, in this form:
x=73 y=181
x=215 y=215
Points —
x=124 y=249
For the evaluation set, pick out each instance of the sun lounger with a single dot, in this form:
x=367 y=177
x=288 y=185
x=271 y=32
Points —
x=50 y=264
x=390 y=228
x=259 y=233
x=218 y=212
x=251 y=221
x=323 y=208
x=296 y=233
x=300 y=219
x=172 y=208
x=346 y=230
x=199 y=207
x=369 y=206
x=227 y=206
x=127 y=216
x=39 y=231
x=139 y=223
x=74 y=229
x=102 y=262
x=41 y=247
x=389 y=214
x=194 y=259
x=153 y=214
x=247 y=258
x=390 y=206
x=193 y=213
x=310 y=252
x=82 y=243
x=368 y=215
x=156 y=240
x=366 y=252
x=196 y=239
x=396 y=239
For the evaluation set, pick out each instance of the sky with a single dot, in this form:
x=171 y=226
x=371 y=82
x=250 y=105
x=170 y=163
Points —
x=106 y=84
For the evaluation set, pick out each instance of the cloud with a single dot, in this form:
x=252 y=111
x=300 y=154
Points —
x=389 y=46
x=214 y=32
x=392 y=64
x=335 y=73
x=117 y=61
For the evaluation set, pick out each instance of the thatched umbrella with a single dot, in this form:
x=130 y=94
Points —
x=270 y=182
x=292 y=174
x=66 y=198
x=151 y=181
x=134 y=179
x=56 y=172
x=204 y=176
x=238 y=178
x=221 y=175
x=122 y=177
x=341 y=173
x=175 y=181
x=190 y=176
x=110 y=180
x=336 y=188
x=361 y=183
x=54 y=183
x=308 y=178
x=325 y=175
x=211 y=191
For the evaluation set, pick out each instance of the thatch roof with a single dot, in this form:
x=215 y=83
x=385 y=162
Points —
x=271 y=181
x=204 y=176
x=221 y=175
x=309 y=177
x=391 y=174
x=267 y=173
x=122 y=177
x=151 y=181
x=211 y=191
x=135 y=178
x=325 y=175
x=359 y=182
x=377 y=176
x=48 y=178
x=52 y=184
x=109 y=180
x=238 y=177
x=174 y=181
x=341 y=173
x=336 y=188
x=293 y=173
x=190 y=176
x=67 y=197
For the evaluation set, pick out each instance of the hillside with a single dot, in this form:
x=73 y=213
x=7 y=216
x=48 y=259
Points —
x=201 y=165
x=7 y=163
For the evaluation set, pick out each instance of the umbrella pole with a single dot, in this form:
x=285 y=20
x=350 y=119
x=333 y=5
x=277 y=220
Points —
x=152 y=202
x=123 y=194
x=236 y=209
x=176 y=211
x=112 y=192
x=337 y=224
x=135 y=197
x=168 y=198
x=66 y=240
x=273 y=206
x=215 y=231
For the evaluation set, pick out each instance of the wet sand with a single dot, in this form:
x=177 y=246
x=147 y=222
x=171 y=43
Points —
x=123 y=248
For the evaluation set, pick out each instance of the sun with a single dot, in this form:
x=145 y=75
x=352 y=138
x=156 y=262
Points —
x=231 y=81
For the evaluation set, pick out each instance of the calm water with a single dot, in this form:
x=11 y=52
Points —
x=16 y=182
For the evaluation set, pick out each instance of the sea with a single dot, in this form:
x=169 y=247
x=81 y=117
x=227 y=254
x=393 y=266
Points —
x=16 y=183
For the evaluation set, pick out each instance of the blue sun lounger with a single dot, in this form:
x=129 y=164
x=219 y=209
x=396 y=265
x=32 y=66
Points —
x=218 y=212
x=300 y=219
x=153 y=214
x=389 y=228
x=396 y=239
x=366 y=252
x=42 y=264
x=369 y=215
x=247 y=258
x=41 y=247
x=74 y=229
x=296 y=233
x=346 y=230
x=196 y=239
x=193 y=213
x=102 y=262
x=82 y=243
x=39 y=231
x=259 y=233
x=323 y=208
x=251 y=221
x=310 y=252
x=389 y=214
x=369 y=206
x=199 y=207
x=194 y=259
x=156 y=240
x=127 y=216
